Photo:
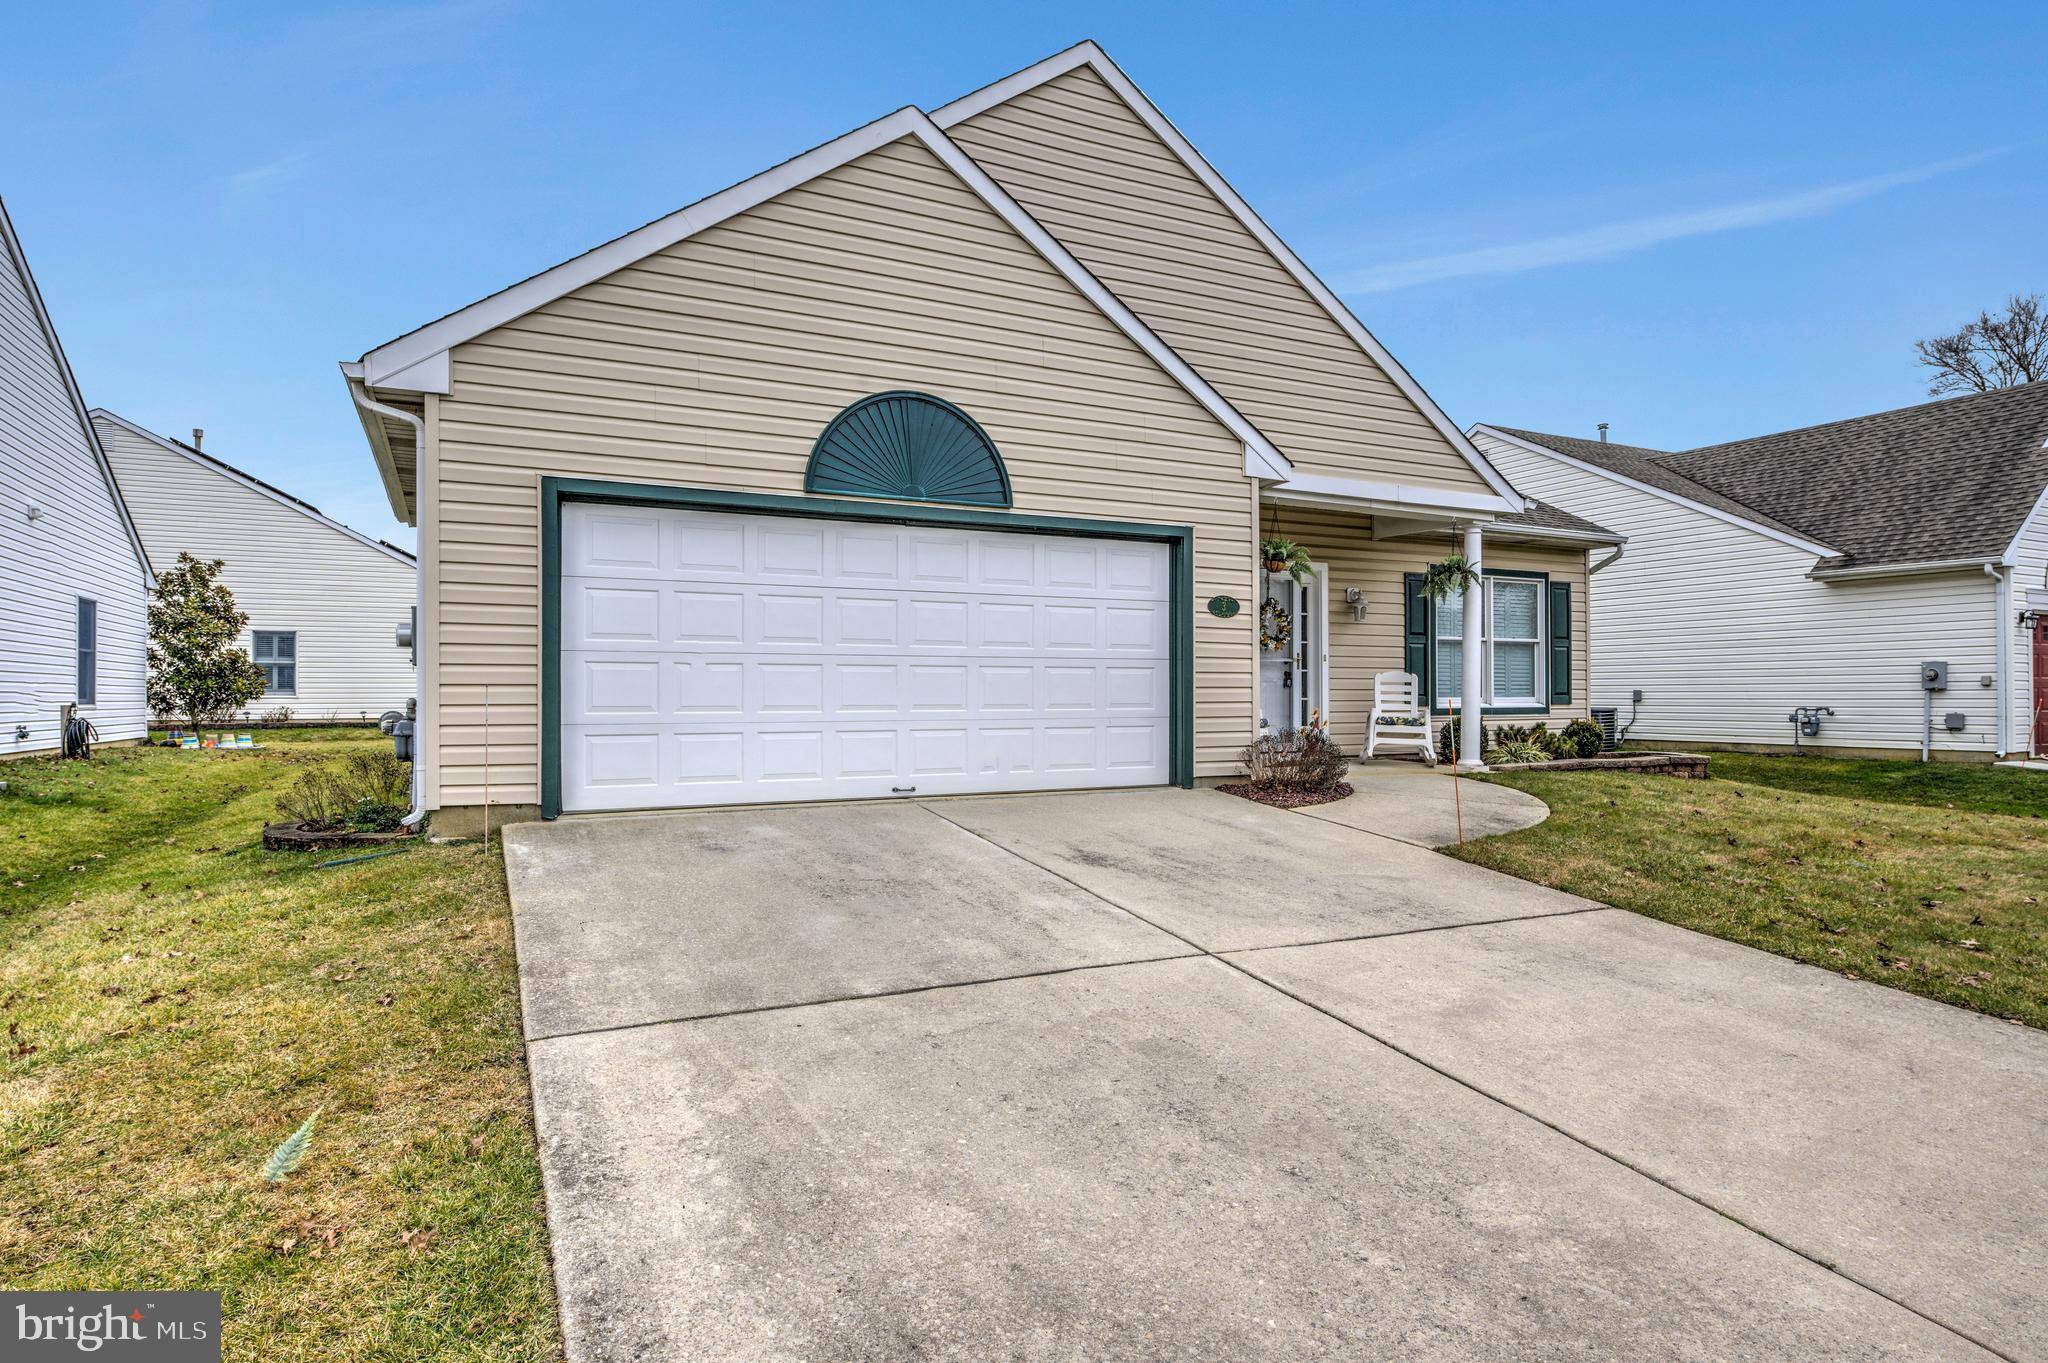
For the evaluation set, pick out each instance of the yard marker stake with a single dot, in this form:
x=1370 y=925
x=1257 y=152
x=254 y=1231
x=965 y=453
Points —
x=1457 y=752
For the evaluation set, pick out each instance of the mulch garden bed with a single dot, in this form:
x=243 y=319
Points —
x=292 y=837
x=1285 y=798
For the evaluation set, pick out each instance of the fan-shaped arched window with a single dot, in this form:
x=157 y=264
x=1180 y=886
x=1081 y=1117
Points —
x=911 y=447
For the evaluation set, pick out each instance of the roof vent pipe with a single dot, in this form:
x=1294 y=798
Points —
x=1603 y=433
x=199 y=436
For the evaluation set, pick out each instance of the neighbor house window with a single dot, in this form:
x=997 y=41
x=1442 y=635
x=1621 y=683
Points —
x=88 y=650
x=1511 y=637
x=276 y=651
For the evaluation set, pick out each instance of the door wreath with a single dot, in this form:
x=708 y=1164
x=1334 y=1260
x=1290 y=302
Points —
x=1276 y=626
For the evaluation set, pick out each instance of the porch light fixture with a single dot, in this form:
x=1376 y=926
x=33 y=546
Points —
x=1355 y=599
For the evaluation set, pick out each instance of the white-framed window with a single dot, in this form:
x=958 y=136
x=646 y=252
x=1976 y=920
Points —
x=276 y=651
x=88 y=650
x=1511 y=632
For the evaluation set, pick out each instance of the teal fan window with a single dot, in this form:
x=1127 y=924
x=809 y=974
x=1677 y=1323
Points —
x=908 y=447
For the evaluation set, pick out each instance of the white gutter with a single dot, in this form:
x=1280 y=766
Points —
x=419 y=623
x=1938 y=565
x=2001 y=596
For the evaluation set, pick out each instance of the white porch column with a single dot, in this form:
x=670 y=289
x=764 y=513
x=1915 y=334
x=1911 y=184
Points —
x=1471 y=705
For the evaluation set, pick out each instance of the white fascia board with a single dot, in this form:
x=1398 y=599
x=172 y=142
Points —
x=2011 y=557
x=1813 y=547
x=235 y=475
x=1090 y=55
x=12 y=243
x=1401 y=496
x=410 y=350
x=380 y=446
x=1935 y=565
x=421 y=357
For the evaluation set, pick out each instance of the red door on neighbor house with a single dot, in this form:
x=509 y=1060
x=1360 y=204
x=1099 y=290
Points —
x=2040 y=691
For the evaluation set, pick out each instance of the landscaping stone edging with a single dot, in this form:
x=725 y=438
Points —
x=289 y=837
x=1689 y=766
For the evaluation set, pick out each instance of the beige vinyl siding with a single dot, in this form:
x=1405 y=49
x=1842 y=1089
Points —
x=288 y=571
x=77 y=546
x=717 y=361
x=1084 y=164
x=1725 y=633
x=1361 y=649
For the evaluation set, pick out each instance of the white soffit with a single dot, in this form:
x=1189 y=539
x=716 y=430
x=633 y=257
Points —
x=1090 y=55
x=418 y=360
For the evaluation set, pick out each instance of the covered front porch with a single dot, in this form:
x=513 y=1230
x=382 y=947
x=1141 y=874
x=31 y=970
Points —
x=1358 y=609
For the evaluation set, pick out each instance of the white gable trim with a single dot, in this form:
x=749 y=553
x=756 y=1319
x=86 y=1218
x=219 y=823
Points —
x=92 y=437
x=1088 y=54
x=1818 y=550
x=235 y=475
x=420 y=357
x=2011 y=557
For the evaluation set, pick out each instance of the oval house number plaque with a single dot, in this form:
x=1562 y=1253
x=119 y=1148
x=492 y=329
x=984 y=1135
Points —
x=1222 y=607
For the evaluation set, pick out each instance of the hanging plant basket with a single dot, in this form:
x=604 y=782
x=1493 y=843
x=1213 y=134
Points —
x=1449 y=576
x=1285 y=556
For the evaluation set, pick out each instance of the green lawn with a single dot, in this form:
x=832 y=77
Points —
x=1929 y=879
x=1961 y=785
x=177 y=1000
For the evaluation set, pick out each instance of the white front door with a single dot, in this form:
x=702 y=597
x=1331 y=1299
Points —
x=1291 y=673
x=716 y=658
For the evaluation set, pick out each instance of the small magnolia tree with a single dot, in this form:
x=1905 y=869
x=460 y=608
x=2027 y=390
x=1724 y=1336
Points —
x=196 y=671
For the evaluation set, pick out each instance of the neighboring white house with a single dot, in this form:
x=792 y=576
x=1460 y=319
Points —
x=74 y=584
x=1820 y=567
x=324 y=602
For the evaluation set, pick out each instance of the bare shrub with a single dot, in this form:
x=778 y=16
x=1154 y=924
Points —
x=1294 y=759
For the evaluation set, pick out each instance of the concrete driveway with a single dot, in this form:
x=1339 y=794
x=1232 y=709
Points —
x=1168 y=1075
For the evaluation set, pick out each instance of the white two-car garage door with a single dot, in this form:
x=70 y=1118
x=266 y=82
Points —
x=716 y=658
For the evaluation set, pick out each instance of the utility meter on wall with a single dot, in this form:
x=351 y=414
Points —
x=1934 y=676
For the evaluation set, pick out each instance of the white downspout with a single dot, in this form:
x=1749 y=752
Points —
x=1470 y=758
x=419 y=623
x=2001 y=596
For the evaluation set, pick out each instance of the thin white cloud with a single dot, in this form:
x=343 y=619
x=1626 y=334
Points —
x=256 y=177
x=1637 y=234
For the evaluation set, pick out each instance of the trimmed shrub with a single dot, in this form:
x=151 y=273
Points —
x=1294 y=759
x=1447 y=740
x=1580 y=738
x=365 y=791
x=1517 y=752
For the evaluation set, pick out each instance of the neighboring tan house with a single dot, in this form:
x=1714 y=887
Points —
x=74 y=585
x=934 y=460
x=1820 y=568
x=325 y=603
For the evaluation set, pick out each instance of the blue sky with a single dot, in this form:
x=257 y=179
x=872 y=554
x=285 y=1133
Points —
x=1694 y=222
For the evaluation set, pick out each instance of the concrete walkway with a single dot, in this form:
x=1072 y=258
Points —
x=1167 y=1075
x=1399 y=797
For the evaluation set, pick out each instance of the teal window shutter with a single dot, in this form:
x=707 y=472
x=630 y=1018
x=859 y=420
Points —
x=1415 y=649
x=910 y=447
x=1560 y=643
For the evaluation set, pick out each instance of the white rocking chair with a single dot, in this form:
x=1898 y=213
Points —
x=1397 y=696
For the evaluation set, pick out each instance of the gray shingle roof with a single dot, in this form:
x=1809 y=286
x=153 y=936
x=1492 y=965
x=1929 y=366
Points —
x=1953 y=479
x=1544 y=516
x=1644 y=465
